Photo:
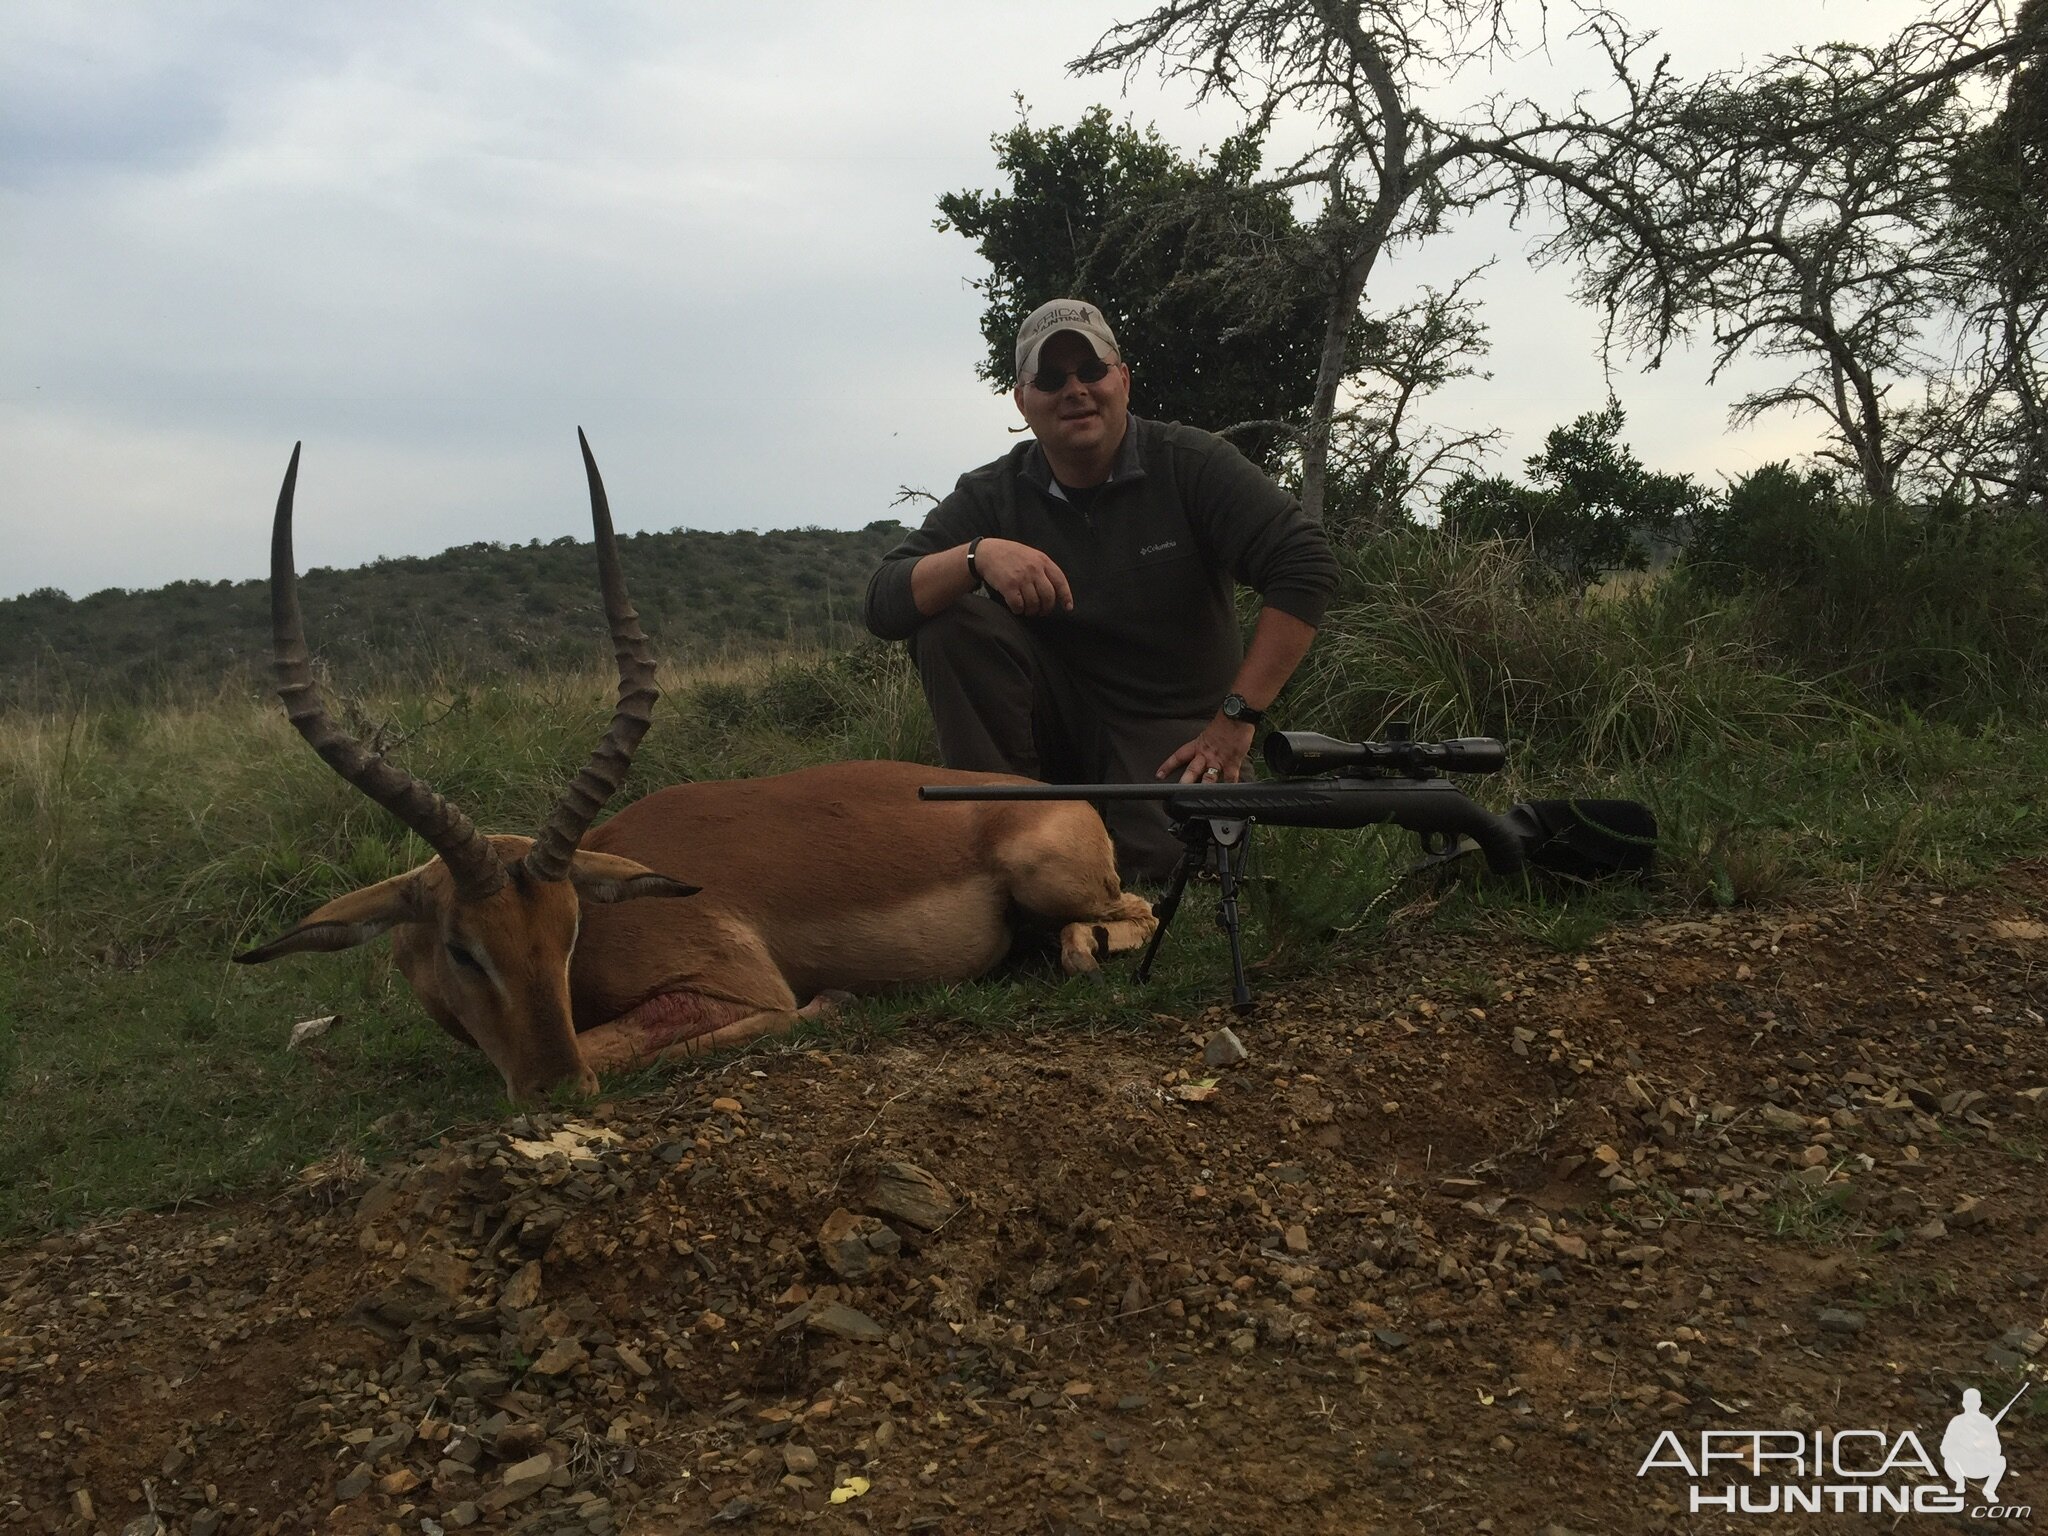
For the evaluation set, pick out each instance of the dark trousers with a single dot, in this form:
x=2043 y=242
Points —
x=1003 y=704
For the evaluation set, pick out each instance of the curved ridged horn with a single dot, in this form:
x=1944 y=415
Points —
x=601 y=777
x=477 y=869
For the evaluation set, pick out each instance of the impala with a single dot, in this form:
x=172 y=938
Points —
x=703 y=915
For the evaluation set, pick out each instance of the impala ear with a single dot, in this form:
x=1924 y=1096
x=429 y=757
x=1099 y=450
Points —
x=605 y=877
x=349 y=920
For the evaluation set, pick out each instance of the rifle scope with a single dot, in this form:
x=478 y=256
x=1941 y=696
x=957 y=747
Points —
x=1303 y=754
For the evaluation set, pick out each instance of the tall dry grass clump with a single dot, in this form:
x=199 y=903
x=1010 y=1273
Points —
x=1478 y=638
x=211 y=821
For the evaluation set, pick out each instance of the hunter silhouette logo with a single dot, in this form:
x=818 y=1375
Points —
x=1970 y=1450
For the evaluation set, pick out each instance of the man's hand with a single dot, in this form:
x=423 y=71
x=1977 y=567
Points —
x=1217 y=756
x=1023 y=577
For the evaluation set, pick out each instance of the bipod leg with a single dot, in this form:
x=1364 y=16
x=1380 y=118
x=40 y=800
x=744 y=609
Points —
x=1195 y=837
x=1229 y=839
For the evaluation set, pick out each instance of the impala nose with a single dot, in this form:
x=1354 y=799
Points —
x=572 y=1075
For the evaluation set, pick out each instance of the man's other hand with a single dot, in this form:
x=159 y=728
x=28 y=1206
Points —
x=1217 y=756
x=1023 y=577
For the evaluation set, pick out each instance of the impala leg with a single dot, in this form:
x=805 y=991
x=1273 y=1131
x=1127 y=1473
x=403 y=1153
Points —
x=1059 y=866
x=821 y=1009
x=627 y=1044
x=1128 y=926
x=678 y=1026
x=738 y=1033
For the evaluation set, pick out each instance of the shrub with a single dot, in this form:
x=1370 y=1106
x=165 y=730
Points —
x=1773 y=527
x=1594 y=507
x=1933 y=607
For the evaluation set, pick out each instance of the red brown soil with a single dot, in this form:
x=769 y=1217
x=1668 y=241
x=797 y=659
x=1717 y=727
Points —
x=1472 y=1225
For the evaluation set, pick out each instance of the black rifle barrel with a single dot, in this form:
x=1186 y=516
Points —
x=1419 y=805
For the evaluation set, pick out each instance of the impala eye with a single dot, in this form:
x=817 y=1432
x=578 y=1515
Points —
x=464 y=958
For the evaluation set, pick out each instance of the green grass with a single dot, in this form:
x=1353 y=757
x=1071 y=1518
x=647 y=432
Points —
x=2028 y=1149
x=169 y=1082
x=143 y=847
x=1805 y=1214
x=1914 y=1294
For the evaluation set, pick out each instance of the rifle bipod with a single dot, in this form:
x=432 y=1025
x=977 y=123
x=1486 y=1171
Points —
x=1324 y=782
x=1214 y=848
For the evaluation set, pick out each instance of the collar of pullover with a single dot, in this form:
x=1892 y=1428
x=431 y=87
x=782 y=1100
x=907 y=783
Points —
x=1129 y=464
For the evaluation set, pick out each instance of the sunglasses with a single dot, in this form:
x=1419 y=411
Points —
x=1052 y=380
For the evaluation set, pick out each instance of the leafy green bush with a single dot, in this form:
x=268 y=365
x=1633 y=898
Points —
x=721 y=706
x=1594 y=507
x=804 y=699
x=1933 y=608
x=1774 y=525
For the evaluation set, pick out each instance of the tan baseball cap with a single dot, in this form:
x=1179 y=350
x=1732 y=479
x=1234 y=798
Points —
x=1054 y=316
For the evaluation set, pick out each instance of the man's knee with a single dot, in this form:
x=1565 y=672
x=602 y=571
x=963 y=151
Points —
x=970 y=634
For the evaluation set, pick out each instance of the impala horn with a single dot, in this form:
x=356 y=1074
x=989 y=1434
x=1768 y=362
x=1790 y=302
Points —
x=470 y=859
x=601 y=777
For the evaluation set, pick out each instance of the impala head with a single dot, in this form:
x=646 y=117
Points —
x=485 y=930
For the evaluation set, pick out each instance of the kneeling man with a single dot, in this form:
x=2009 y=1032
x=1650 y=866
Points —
x=1071 y=606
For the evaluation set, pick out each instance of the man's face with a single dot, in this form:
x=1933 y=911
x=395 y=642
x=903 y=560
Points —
x=1076 y=420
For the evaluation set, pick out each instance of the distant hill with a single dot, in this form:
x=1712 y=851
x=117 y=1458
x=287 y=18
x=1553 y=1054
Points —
x=478 y=611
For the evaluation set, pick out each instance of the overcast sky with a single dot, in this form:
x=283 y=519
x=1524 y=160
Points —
x=431 y=240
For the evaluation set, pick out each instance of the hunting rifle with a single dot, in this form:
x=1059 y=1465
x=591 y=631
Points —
x=1324 y=782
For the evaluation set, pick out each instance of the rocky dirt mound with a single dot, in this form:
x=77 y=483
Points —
x=1471 y=1224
